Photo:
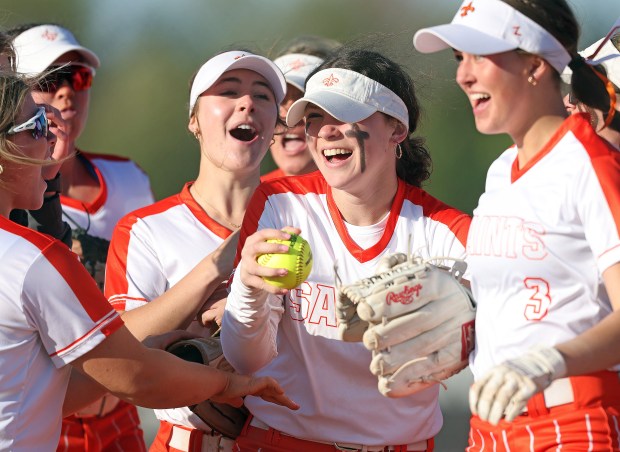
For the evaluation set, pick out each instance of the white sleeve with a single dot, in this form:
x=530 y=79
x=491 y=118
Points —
x=250 y=326
x=444 y=242
x=134 y=275
x=64 y=304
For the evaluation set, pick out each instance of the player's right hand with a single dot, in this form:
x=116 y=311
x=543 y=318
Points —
x=251 y=272
x=266 y=388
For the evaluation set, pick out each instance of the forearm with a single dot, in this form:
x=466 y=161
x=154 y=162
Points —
x=594 y=350
x=139 y=375
x=249 y=328
x=178 y=306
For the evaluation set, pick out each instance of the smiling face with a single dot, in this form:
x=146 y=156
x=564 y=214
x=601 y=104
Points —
x=73 y=105
x=289 y=149
x=235 y=120
x=497 y=88
x=354 y=157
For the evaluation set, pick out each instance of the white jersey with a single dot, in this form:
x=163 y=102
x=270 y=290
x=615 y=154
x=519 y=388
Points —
x=295 y=340
x=51 y=312
x=540 y=239
x=124 y=187
x=151 y=250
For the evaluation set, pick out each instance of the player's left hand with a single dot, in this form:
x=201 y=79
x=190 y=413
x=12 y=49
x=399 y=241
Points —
x=506 y=388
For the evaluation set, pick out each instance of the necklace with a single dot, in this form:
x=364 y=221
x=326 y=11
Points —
x=219 y=214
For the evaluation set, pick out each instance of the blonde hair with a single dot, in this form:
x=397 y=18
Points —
x=14 y=91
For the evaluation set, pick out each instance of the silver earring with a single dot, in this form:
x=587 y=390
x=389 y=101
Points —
x=532 y=80
x=398 y=151
x=1 y=169
x=196 y=135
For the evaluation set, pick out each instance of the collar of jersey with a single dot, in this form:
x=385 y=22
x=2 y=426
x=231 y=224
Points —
x=364 y=255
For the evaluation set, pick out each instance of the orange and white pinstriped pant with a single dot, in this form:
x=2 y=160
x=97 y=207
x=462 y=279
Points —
x=590 y=423
x=118 y=430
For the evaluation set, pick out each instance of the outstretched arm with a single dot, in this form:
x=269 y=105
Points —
x=143 y=376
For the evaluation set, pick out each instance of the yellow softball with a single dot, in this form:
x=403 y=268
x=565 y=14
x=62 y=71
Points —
x=298 y=262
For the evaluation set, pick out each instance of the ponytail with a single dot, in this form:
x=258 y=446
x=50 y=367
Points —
x=592 y=88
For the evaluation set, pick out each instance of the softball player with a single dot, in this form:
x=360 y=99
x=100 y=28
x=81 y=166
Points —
x=53 y=317
x=96 y=190
x=544 y=245
x=289 y=149
x=360 y=113
x=166 y=260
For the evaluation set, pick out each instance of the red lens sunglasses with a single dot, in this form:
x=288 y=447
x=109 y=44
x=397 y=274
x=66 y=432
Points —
x=78 y=76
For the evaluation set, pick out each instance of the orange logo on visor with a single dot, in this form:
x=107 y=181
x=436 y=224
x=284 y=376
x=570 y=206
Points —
x=296 y=65
x=49 y=35
x=330 y=81
x=465 y=10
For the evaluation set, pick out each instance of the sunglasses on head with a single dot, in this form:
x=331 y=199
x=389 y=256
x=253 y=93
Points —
x=38 y=124
x=78 y=76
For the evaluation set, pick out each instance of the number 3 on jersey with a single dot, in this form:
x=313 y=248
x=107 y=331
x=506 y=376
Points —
x=538 y=304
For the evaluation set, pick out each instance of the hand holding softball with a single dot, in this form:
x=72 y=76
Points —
x=297 y=260
x=265 y=242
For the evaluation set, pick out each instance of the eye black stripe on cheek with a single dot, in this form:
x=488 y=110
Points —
x=360 y=136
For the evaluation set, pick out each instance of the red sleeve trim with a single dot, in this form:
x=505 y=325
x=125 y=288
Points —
x=106 y=326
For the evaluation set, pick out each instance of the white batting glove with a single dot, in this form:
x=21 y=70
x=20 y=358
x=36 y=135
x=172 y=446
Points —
x=505 y=390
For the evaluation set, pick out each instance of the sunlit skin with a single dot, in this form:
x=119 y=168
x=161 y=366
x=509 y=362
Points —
x=365 y=162
x=289 y=149
x=73 y=105
x=503 y=101
x=239 y=99
x=24 y=184
x=78 y=182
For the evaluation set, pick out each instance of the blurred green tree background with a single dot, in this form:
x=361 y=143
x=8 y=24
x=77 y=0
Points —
x=150 y=48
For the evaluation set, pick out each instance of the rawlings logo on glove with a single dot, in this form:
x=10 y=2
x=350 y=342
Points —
x=416 y=318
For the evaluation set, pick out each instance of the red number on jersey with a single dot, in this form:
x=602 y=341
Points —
x=538 y=306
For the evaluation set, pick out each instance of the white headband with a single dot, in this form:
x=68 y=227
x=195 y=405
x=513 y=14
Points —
x=296 y=68
x=349 y=97
x=484 y=27
x=214 y=68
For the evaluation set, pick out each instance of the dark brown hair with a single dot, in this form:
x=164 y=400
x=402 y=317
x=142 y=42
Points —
x=415 y=164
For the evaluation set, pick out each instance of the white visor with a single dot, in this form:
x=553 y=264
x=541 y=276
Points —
x=213 y=69
x=485 y=27
x=38 y=47
x=296 y=68
x=349 y=97
x=608 y=56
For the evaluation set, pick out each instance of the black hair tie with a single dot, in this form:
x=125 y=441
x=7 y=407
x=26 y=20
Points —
x=577 y=62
